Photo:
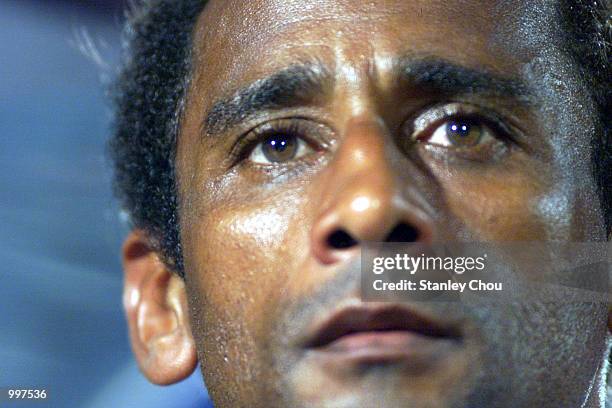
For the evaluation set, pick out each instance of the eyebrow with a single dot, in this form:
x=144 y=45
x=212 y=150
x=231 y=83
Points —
x=302 y=84
x=296 y=85
x=444 y=77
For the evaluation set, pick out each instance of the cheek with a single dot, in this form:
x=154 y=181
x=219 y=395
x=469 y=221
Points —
x=235 y=262
x=234 y=254
x=502 y=204
x=258 y=231
x=237 y=257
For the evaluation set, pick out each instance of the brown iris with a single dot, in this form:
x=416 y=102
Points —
x=463 y=133
x=280 y=148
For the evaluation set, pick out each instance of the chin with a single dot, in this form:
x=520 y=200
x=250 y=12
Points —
x=433 y=376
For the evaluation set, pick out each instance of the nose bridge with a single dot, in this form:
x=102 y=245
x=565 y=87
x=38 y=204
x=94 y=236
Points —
x=363 y=184
x=362 y=199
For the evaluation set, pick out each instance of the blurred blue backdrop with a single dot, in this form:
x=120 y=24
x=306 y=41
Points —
x=61 y=321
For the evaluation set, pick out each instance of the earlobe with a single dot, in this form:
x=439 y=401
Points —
x=155 y=303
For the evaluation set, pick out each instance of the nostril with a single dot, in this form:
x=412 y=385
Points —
x=340 y=239
x=403 y=233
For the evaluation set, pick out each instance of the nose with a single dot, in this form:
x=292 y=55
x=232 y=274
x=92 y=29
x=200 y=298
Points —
x=363 y=200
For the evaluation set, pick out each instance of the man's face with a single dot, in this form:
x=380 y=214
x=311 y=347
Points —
x=313 y=126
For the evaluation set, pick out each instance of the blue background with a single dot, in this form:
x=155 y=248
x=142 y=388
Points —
x=61 y=318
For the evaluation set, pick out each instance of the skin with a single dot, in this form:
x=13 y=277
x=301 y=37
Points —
x=259 y=270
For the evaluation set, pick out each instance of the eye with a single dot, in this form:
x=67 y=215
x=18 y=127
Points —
x=460 y=133
x=279 y=148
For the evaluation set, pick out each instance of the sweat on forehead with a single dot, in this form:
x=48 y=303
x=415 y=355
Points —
x=248 y=42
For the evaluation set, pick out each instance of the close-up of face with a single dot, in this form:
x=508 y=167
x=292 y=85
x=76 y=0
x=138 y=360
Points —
x=310 y=128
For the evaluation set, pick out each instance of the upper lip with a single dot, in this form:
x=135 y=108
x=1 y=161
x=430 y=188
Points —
x=371 y=318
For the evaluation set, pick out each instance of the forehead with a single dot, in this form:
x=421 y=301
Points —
x=238 y=41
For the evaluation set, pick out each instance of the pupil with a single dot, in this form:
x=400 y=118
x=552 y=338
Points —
x=279 y=145
x=280 y=148
x=459 y=129
x=463 y=133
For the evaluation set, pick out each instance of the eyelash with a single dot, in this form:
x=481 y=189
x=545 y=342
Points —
x=245 y=145
x=498 y=128
x=503 y=128
x=300 y=128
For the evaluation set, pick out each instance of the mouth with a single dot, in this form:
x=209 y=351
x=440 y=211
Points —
x=382 y=333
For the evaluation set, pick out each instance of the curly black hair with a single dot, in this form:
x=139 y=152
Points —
x=151 y=88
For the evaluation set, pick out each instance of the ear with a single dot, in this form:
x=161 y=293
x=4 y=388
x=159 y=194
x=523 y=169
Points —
x=155 y=304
